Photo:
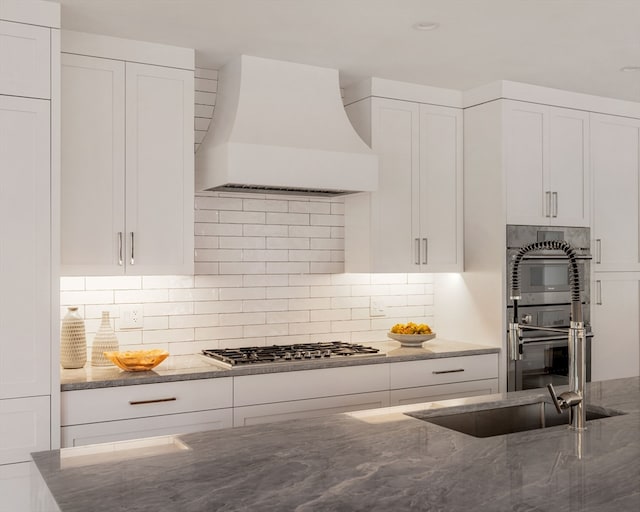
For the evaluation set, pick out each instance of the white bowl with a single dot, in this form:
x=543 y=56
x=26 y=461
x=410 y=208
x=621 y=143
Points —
x=411 y=340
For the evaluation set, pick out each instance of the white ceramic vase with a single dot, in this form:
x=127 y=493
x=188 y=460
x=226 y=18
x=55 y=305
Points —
x=104 y=341
x=73 y=340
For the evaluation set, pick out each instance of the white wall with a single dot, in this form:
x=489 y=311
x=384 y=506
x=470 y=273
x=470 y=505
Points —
x=269 y=270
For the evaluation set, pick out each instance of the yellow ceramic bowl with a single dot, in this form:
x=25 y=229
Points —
x=137 y=360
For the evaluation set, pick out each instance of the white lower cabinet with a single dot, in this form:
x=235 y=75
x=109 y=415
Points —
x=441 y=379
x=122 y=430
x=24 y=427
x=282 y=396
x=22 y=488
x=279 y=396
x=130 y=412
x=310 y=408
x=615 y=318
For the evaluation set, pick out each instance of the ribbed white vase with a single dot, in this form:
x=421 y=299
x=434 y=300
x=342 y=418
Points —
x=73 y=340
x=104 y=341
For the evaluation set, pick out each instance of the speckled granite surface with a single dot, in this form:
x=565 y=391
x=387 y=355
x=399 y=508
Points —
x=380 y=460
x=197 y=366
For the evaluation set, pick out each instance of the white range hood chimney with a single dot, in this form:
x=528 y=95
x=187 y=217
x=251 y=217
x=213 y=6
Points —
x=281 y=127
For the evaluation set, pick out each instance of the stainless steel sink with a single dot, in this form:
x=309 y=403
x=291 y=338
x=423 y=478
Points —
x=506 y=420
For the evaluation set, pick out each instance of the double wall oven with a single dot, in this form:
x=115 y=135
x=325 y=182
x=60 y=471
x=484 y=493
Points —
x=546 y=302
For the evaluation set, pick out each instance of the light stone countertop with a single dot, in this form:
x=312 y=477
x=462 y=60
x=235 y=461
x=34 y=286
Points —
x=377 y=460
x=197 y=366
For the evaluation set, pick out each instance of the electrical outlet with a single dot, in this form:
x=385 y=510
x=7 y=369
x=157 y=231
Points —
x=376 y=308
x=131 y=317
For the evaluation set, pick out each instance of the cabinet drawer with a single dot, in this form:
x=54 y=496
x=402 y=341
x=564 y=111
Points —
x=107 y=404
x=111 y=431
x=266 y=413
x=443 y=392
x=443 y=371
x=25 y=57
x=24 y=424
x=282 y=387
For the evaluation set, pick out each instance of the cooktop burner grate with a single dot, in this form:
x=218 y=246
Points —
x=288 y=353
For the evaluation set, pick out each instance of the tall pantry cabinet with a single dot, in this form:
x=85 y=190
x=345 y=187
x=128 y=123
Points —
x=29 y=289
x=615 y=150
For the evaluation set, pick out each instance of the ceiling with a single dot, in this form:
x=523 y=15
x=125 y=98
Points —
x=578 y=45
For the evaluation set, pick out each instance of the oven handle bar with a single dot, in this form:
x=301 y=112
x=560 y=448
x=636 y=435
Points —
x=538 y=339
x=555 y=257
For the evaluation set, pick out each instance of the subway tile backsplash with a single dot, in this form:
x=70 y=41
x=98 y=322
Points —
x=269 y=270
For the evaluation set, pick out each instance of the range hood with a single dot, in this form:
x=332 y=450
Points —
x=280 y=127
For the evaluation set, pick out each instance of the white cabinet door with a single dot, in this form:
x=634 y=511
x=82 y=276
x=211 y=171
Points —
x=127 y=168
x=569 y=176
x=615 y=158
x=307 y=384
x=443 y=391
x=160 y=169
x=311 y=408
x=547 y=165
x=413 y=222
x=92 y=189
x=25 y=57
x=25 y=248
x=394 y=219
x=24 y=428
x=122 y=430
x=440 y=189
x=615 y=317
x=526 y=161
x=145 y=400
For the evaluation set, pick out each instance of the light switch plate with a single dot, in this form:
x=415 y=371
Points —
x=131 y=316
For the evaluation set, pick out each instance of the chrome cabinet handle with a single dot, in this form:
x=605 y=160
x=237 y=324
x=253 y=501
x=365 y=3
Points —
x=457 y=370
x=417 y=241
x=554 y=211
x=598 y=250
x=547 y=208
x=599 y=292
x=155 y=401
x=425 y=258
x=120 y=256
x=132 y=249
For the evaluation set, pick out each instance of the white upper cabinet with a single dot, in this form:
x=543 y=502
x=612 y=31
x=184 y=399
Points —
x=25 y=58
x=413 y=222
x=546 y=164
x=159 y=170
x=615 y=150
x=440 y=184
x=92 y=190
x=127 y=168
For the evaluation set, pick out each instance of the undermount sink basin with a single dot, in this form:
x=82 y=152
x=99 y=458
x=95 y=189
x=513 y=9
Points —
x=507 y=420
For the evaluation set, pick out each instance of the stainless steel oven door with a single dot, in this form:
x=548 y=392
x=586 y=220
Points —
x=544 y=360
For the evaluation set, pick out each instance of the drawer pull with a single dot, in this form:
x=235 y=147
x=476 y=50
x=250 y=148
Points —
x=448 y=371
x=157 y=400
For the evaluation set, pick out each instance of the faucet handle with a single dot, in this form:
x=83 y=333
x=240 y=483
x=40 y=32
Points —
x=555 y=399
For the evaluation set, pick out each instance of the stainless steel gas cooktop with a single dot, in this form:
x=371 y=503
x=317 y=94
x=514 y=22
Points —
x=233 y=357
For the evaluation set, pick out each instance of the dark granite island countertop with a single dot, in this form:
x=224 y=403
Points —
x=380 y=460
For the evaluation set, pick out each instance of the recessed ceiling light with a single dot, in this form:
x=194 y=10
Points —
x=630 y=69
x=426 y=25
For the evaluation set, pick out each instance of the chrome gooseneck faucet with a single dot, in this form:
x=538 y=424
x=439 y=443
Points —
x=573 y=399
